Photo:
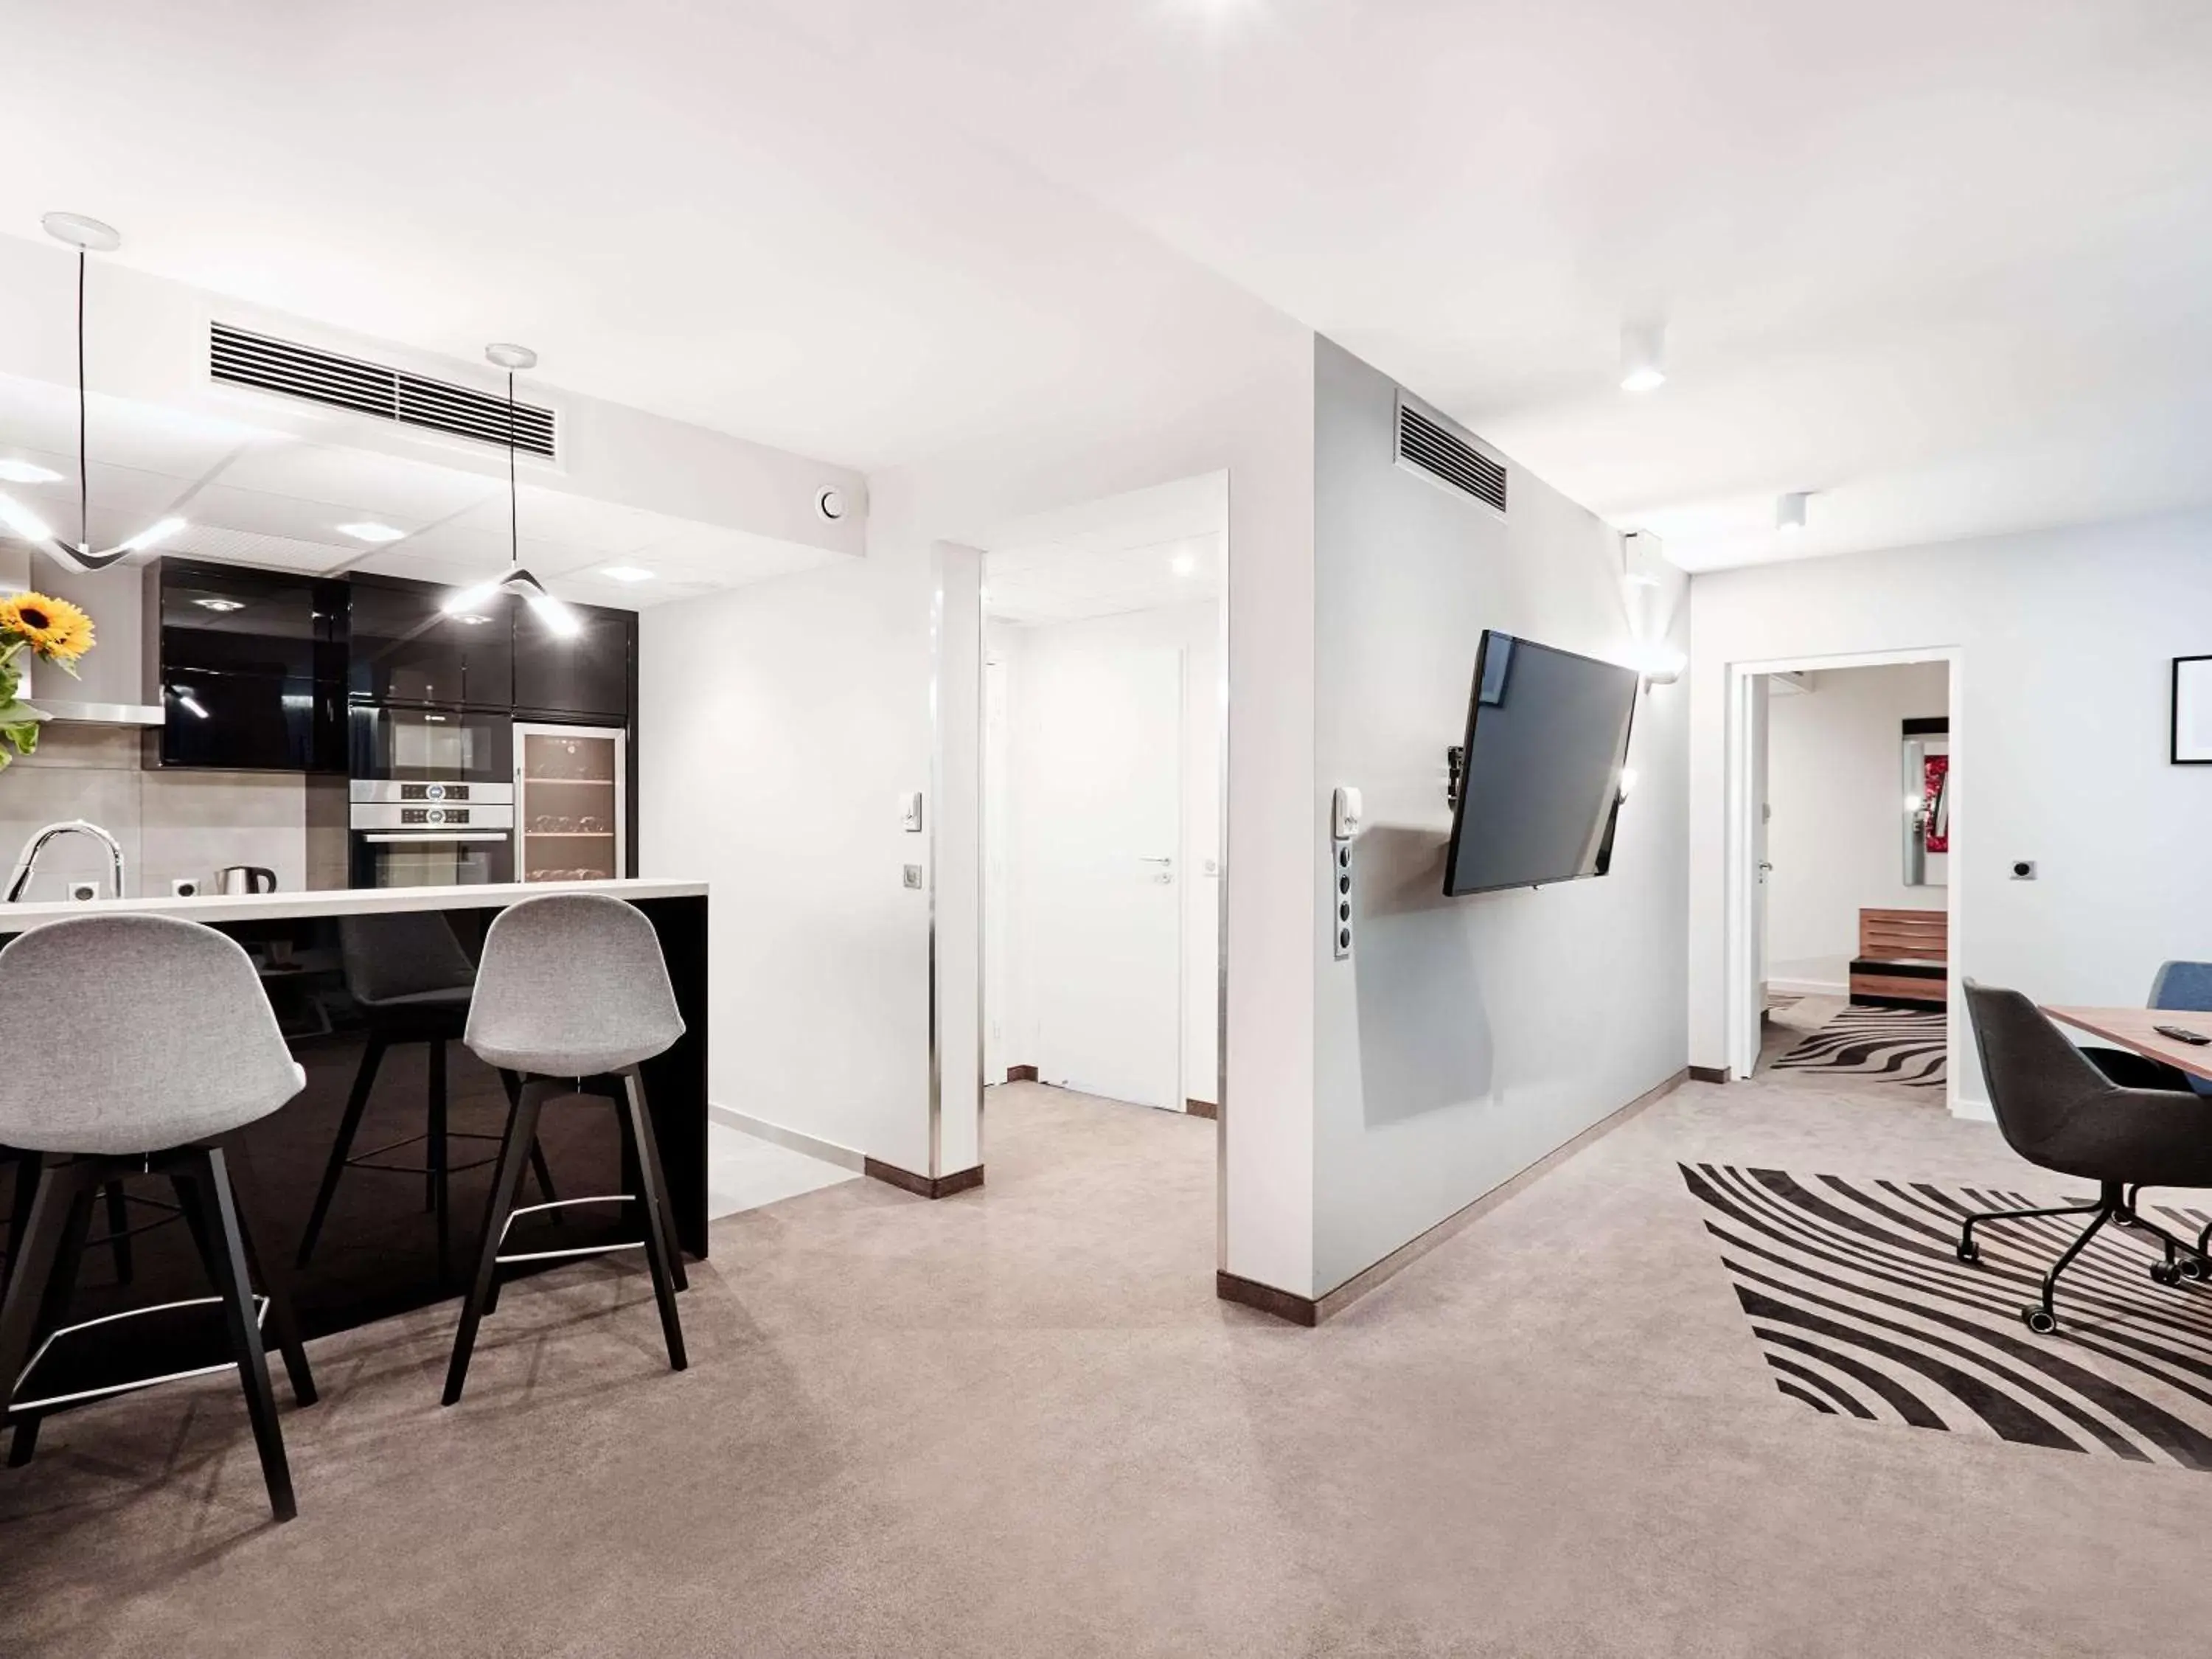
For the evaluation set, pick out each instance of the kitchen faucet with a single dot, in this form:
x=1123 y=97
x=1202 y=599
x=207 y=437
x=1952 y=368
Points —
x=37 y=844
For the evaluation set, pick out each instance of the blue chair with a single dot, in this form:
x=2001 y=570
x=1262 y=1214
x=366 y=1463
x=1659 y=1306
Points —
x=2183 y=987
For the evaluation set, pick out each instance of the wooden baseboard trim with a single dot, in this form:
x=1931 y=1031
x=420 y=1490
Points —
x=1283 y=1304
x=1021 y=1074
x=924 y=1186
x=1708 y=1073
x=1201 y=1108
x=1312 y=1310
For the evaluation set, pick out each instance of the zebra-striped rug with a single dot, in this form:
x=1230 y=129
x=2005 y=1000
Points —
x=1875 y=1045
x=1861 y=1307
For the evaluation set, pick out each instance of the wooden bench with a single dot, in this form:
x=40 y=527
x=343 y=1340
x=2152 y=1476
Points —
x=1904 y=959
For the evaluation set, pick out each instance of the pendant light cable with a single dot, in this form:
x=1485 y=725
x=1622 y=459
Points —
x=83 y=467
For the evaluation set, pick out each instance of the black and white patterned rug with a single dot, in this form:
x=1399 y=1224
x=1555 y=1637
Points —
x=1875 y=1045
x=1861 y=1307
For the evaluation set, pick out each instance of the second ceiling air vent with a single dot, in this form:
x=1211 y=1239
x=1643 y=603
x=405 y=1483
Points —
x=1429 y=447
x=239 y=358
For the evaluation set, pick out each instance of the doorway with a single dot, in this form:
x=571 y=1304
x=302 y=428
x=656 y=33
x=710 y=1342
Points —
x=1102 y=800
x=1844 y=812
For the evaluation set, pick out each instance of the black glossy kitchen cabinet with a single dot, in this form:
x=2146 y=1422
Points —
x=250 y=668
x=586 y=676
x=407 y=649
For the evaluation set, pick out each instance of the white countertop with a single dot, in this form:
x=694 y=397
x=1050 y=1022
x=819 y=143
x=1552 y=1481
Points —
x=335 y=901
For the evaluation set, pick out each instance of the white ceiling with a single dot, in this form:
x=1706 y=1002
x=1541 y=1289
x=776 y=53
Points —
x=254 y=496
x=1146 y=550
x=1940 y=261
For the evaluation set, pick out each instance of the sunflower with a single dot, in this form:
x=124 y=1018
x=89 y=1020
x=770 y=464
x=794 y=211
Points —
x=54 y=629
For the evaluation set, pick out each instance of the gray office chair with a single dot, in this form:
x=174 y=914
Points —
x=2059 y=1112
x=132 y=1043
x=573 y=986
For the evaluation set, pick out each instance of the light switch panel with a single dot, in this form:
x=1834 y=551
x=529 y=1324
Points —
x=913 y=876
x=910 y=814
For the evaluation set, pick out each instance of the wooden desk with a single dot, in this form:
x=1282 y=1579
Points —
x=2131 y=1027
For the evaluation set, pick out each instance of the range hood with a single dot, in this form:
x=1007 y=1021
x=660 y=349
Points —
x=111 y=691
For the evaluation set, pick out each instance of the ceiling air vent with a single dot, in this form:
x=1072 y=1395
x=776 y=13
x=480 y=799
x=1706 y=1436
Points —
x=239 y=358
x=1448 y=457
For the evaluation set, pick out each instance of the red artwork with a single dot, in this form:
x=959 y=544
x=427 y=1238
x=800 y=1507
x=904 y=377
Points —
x=1937 y=770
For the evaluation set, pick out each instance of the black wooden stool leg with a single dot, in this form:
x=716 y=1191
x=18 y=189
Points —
x=538 y=1167
x=28 y=1165
x=440 y=1186
x=54 y=1305
x=649 y=1155
x=521 y=1135
x=38 y=1229
x=264 y=1270
x=119 y=1230
x=342 y=1147
x=226 y=1265
x=658 y=1256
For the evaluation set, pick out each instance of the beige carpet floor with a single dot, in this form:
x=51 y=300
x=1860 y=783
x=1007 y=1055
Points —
x=1018 y=1423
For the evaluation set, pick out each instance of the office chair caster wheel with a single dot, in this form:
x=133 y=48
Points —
x=2039 y=1321
x=1969 y=1251
x=2166 y=1273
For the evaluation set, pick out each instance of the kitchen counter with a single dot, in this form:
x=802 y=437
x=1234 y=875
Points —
x=377 y=1254
x=214 y=908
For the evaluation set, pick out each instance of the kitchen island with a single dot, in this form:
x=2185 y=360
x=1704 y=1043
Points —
x=377 y=1254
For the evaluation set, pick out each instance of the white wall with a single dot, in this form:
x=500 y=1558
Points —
x=1835 y=782
x=1194 y=630
x=778 y=724
x=1466 y=1038
x=2059 y=726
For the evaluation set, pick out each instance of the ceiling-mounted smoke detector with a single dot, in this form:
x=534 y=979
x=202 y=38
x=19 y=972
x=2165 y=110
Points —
x=1789 y=512
x=1643 y=356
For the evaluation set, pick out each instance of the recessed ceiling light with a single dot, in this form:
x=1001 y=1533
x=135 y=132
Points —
x=369 y=530
x=626 y=573
x=1183 y=563
x=220 y=605
x=1643 y=356
x=28 y=472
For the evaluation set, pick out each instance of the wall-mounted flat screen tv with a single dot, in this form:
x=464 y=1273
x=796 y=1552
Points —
x=1540 y=786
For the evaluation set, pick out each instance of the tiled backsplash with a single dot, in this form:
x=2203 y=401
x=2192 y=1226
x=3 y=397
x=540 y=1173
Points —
x=171 y=823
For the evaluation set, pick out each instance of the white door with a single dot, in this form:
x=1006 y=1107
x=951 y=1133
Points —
x=1102 y=811
x=1762 y=868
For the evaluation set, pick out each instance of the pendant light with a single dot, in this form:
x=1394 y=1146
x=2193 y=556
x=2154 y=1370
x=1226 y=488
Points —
x=557 y=616
x=88 y=237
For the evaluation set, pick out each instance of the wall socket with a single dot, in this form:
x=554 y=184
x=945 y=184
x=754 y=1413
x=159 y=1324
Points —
x=2023 y=869
x=83 y=892
x=185 y=887
x=913 y=877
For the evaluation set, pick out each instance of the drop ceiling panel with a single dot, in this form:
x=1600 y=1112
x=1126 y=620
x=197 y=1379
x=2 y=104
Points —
x=364 y=481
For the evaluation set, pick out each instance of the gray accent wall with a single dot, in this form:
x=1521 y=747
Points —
x=1464 y=1039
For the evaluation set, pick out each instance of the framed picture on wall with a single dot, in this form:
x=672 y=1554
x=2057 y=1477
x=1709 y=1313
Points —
x=2192 y=711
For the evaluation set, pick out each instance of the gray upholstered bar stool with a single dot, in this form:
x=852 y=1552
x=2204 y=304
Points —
x=572 y=986
x=132 y=1042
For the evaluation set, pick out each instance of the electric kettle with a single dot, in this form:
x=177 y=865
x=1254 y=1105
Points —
x=244 y=878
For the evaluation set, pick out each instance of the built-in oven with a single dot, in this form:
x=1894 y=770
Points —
x=398 y=745
x=442 y=834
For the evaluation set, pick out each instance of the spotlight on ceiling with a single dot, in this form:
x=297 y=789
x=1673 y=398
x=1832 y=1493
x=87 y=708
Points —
x=369 y=530
x=28 y=472
x=626 y=573
x=1789 y=513
x=1184 y=564
x=1643 y=356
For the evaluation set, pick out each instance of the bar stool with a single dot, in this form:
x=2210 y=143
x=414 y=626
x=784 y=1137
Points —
x=132 y=1042
x=413 y=982
x=573 y=986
